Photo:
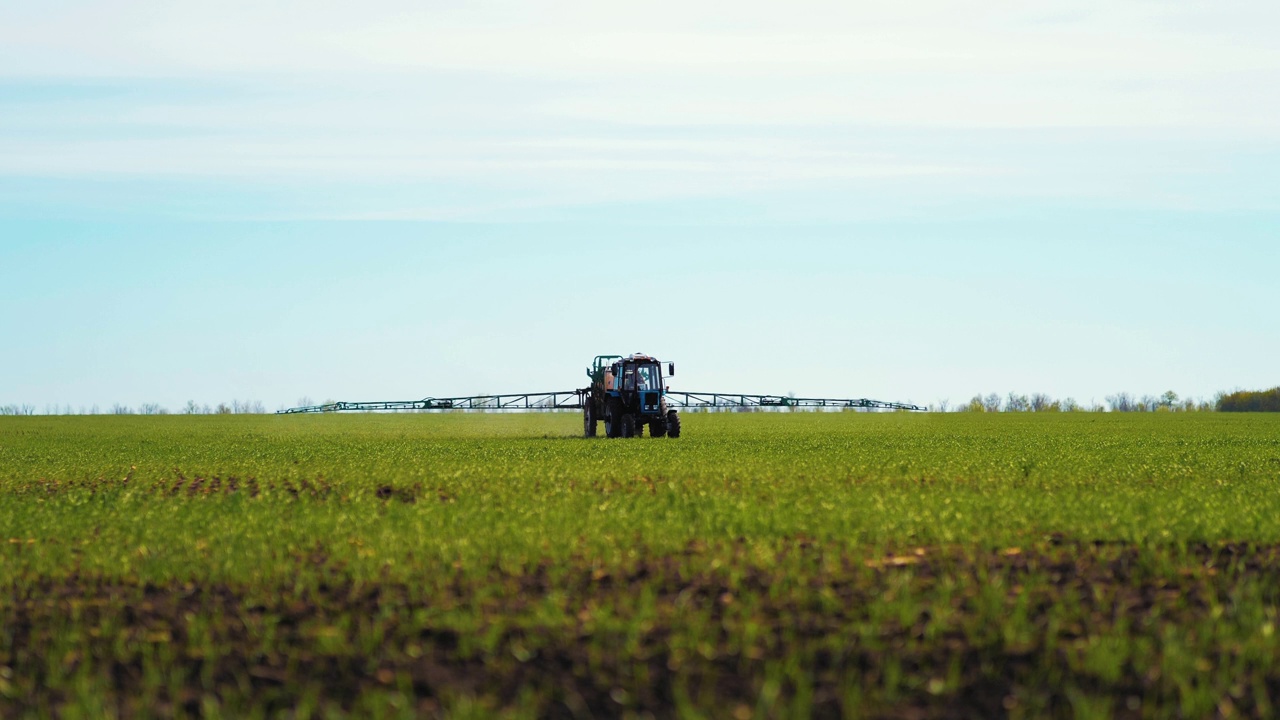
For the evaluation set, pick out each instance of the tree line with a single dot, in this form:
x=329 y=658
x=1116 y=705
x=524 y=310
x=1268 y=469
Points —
x=235 y=407
x=1251 y=401
x=1120 y=402
x=1237 y=401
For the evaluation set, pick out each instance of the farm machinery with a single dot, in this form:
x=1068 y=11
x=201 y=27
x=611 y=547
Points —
x=627 y=393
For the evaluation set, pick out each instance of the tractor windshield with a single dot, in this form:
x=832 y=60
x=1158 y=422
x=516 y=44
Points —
x=648 y=377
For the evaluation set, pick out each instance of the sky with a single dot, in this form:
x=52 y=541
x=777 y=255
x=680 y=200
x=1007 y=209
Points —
x=918 y=202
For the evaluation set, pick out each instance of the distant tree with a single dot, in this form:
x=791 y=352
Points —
x=1070 y=405
x=222 y=409
x=974 y=405
x=247 y=407
x=153 y=409
x=944 y=405
x=1016 y=403
x=191 y=408
x=119 y=409
x=1121 y=402
x=991 y=403
x=1169 y=399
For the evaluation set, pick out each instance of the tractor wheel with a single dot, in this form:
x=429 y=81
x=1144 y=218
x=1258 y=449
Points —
x=588 y=419
x=673 y=424
x=613 y=418
x=628 y=426
x=657 y=427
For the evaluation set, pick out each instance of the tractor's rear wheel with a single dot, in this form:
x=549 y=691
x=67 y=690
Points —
x=657 y=427
x=673 y=424
x=613 y=418
x=628 y=425
x=588 y=419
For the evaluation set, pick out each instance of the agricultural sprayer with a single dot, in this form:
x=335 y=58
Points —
x=627 y=393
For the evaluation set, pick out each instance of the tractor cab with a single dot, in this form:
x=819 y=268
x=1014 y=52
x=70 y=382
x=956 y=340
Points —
x=641 y=383
x=643 y=377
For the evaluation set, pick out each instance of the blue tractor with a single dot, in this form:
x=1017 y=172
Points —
x=628 y=393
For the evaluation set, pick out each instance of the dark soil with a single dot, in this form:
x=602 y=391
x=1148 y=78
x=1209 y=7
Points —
x=815 y=630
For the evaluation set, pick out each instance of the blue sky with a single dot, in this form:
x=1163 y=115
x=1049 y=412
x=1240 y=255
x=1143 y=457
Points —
x=273 y=200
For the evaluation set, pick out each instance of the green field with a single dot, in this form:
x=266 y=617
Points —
x=763 y=565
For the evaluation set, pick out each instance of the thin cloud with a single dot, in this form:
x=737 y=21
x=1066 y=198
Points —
x=526 y=105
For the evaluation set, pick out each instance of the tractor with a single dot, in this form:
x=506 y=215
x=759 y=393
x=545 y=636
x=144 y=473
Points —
x=628 y=393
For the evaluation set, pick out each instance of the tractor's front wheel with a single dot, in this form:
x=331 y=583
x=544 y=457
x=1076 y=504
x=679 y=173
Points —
x=588 y=419
x=658 y=427
x=673 y=424
x=613 y=418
